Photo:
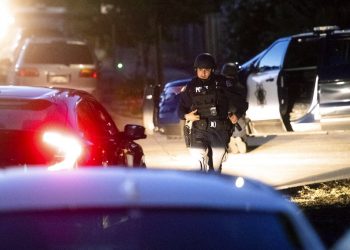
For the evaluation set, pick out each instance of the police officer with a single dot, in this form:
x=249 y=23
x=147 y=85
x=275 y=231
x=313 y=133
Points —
x=238 y=140
x=212 y=106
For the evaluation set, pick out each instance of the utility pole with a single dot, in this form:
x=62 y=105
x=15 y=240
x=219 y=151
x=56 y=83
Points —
x=159 y=59
x=108 y=9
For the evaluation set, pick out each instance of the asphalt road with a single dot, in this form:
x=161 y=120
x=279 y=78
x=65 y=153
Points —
x=295 y=159
x=281 y=161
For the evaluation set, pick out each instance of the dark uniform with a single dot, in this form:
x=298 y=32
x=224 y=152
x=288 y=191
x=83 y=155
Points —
x=238 y=141
x=214 y=99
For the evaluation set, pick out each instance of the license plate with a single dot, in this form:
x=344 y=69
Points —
x=58 y=79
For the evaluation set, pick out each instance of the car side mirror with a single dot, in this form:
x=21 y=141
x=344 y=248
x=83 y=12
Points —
x=134 y=132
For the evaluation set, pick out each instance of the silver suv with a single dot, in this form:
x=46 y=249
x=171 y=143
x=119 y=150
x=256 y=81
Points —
x=55 y=61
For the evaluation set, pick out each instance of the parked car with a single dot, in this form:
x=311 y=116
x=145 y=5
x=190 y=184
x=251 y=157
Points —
x=160 y=107
x=150 y=107
x=55 y=61
x=62 y=128
x=13 y=41
x=300 y=83
x=168 y=121
x=146 y=209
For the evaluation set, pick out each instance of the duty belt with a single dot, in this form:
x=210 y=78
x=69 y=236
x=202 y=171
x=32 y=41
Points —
x=216 y=124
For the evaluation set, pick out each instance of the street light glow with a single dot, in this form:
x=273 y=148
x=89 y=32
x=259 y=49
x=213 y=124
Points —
x=120 y=65
x=6 y=18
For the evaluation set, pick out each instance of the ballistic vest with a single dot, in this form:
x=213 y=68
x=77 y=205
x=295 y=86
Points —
x=209 y=100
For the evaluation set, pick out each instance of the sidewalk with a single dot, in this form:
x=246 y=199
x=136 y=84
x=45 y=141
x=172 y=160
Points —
x=280 y=161
x=160 y=152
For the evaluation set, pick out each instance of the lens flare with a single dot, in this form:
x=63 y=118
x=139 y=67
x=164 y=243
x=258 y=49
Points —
x=6 y=18
x=239 y=182
x=67 y=146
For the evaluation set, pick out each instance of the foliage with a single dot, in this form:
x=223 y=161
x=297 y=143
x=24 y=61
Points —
x=138 y=20
x=126 y=97
x=325 y=194
x=254 y=24
x=80 y=14
x=326 y=206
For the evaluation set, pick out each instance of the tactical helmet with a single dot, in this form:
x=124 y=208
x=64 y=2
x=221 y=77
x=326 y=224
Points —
x=230 y=69
x=204 y=61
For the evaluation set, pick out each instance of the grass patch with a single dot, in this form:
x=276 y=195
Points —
x=326 y=205
x=332 y=193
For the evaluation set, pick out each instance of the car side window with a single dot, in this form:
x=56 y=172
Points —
x=338 y=52
x=273 y=59
x=94 y=121
x=302 y=53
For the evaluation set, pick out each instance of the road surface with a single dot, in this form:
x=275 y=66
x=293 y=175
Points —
x=281 y=161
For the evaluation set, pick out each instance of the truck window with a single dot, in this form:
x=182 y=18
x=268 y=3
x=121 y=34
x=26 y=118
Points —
x=302 y=53
x=336 y=64
x=338 y=52
x=273 y=59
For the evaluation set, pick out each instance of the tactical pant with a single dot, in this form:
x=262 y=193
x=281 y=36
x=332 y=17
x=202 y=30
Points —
x=209 y=145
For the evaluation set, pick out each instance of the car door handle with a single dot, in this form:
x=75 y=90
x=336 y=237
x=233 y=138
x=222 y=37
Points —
x=269 y=79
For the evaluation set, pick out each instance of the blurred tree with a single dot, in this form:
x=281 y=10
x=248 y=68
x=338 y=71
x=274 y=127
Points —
x=146 y=23
x=80 y=15
x=139 y=23
x=254 y=24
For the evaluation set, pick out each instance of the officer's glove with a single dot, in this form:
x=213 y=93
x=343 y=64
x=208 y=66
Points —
x=237 y=126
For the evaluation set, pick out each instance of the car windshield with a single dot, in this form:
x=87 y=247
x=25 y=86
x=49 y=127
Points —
x=58 y=53
x=28 y=115
x=146 y=229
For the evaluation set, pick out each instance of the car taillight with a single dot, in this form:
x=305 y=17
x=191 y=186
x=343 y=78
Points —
x=27 y=72
x=89 y=73
x=68 y=149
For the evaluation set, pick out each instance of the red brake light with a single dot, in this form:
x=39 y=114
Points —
x=68 y=147
x=27 y=72
x=89 y=73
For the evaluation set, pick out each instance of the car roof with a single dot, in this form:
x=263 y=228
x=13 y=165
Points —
x=30 y=92
x=318 y=32
x=25 y=92
x=38 y=189
x=323 y=31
